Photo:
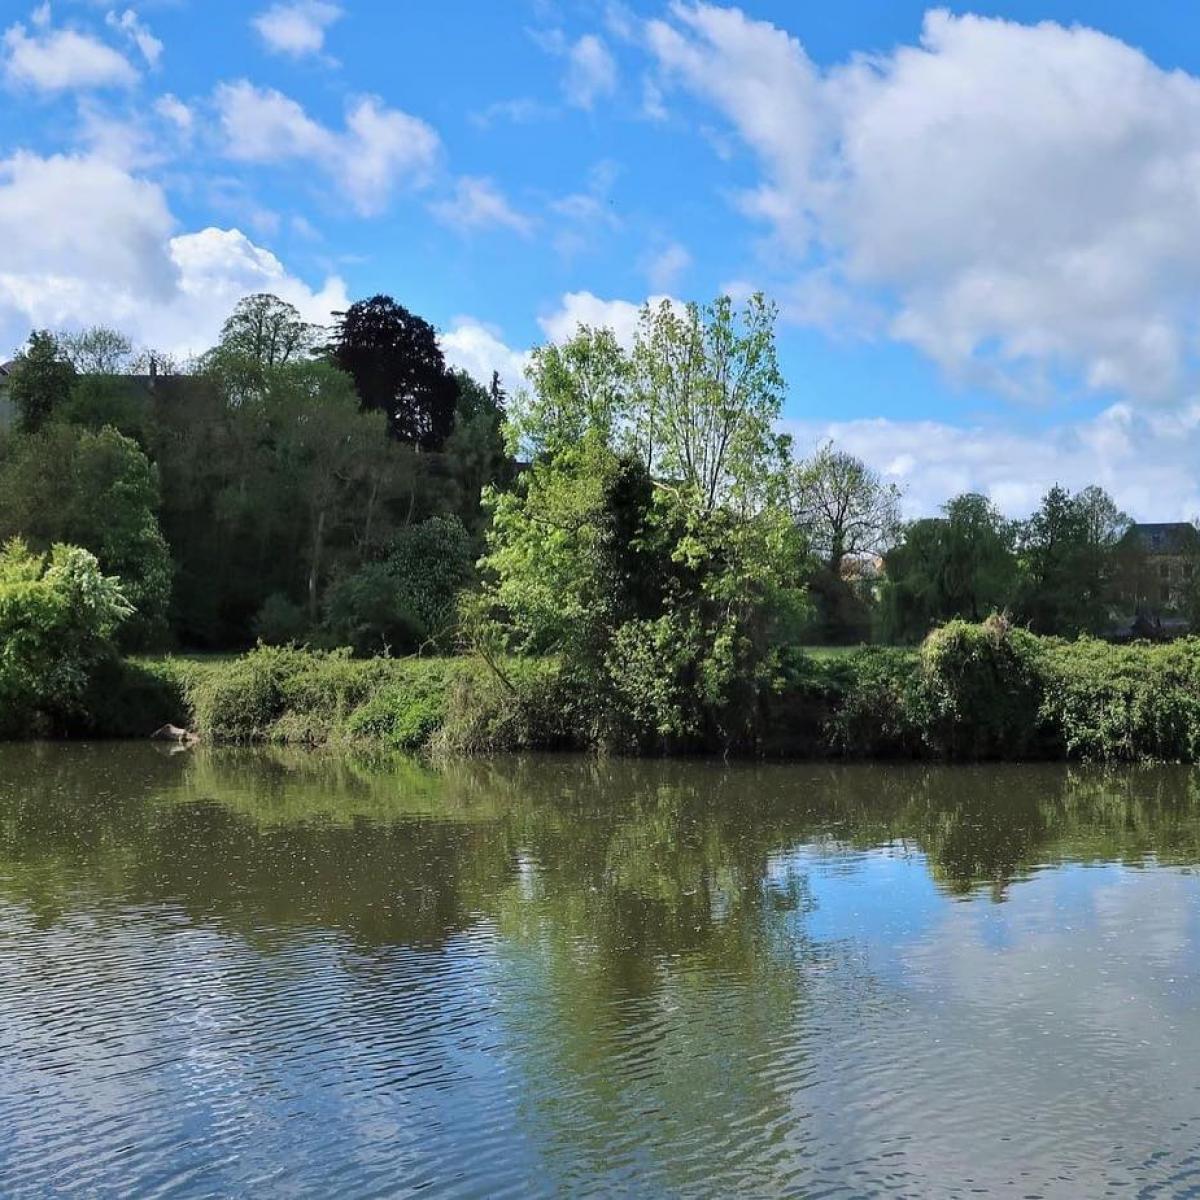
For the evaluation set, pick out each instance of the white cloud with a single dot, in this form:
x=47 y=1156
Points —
x=478 y=203
x=1145 y=460
x=113 y=256
x=172 y=109
x=585 y=308
x=1019 y=200
x=61 y=59
x=381 y=149
x=479 y=350
x=591 y=71
x=664 y=267
x=130 y=24
x=297 y=28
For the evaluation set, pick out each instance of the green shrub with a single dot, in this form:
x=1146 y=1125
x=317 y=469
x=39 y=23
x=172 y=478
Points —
x=280 y=621
x=58 y=619
x=982 y=690
x=1124 y=703
x=404 y=715
x=532 y=705
x=131 y=698
x=368 y=612
x=877 y=705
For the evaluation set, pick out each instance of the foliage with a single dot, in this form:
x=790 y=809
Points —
x=397 y=367
x=1067 y=551
x=409 y=599
x=280 y=621
x=982 y=689
x=41 y=381
x=843 y=507
x=99 y=491
x=58 y=618
x=1123 y=703
x=650 y=528
x=958 y=565
x=368 y=612
x=96 y=350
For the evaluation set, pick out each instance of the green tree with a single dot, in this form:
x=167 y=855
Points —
x=58 y=616
x=41 y=381
x=475 y=454
x=97 y=490
x=648 y=543
x=96 y=350
x=1069 y=562
x=958 y=565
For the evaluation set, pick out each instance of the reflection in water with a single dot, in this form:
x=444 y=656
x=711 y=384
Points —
x=249 y=973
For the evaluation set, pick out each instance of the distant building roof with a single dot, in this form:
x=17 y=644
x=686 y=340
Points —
x=1167 y=537
x=6 y=368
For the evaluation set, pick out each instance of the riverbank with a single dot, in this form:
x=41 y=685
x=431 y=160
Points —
x=969 y=692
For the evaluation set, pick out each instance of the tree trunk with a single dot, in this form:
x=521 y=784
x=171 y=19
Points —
x=314 y=569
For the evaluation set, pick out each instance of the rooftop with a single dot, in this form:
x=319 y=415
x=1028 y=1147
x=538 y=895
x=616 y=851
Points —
x=1167 y=537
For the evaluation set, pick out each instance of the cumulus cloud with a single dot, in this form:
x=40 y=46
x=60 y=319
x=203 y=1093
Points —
x=1145 y=460
x=113 y=256
x=478 y=203
x=296 y=29
x=380 y=150
x=591 y=71
x=585 y=308
x=131 y=25
x=1017 y=201
x=479 y=350
x=55 y=60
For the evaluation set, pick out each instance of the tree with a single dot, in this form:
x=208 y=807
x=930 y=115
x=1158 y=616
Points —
x=41 y=381
x=647 y=544
x=1068 y=554
x=397 y=366
x=96 y=350
x=267 y=331
x=475 y=454
x=97 y=490
x=958 y=565
x=843 y=507
x=58 y=615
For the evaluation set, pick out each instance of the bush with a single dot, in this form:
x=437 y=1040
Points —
x=1123 y=703
x=368 y=612
x=405 y=715
x=59 y=616
x=876 y=704
x=280 y=621
x=982 y=690
x=530 y=706
x=132 y=698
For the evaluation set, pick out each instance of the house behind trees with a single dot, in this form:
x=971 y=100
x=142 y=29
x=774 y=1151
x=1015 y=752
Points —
x=1158 y=565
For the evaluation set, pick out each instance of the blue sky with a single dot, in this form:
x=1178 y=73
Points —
x=979 y=224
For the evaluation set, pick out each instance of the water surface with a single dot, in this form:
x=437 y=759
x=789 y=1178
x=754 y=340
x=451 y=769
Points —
x=254 y=974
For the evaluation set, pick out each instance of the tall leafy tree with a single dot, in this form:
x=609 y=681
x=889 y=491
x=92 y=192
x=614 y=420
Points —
x=647 y=543
x=41 y=381
x=267 y=331
x=1068 y=553
x=959 y=565
x=96 y=350
x=398 y=369
x=844 y=507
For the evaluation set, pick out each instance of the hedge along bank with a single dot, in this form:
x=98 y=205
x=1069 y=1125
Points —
x=986 y=691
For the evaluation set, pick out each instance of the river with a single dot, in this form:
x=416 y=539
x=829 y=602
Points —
x=249 y=973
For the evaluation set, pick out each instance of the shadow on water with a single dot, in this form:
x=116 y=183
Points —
x=226 y=969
